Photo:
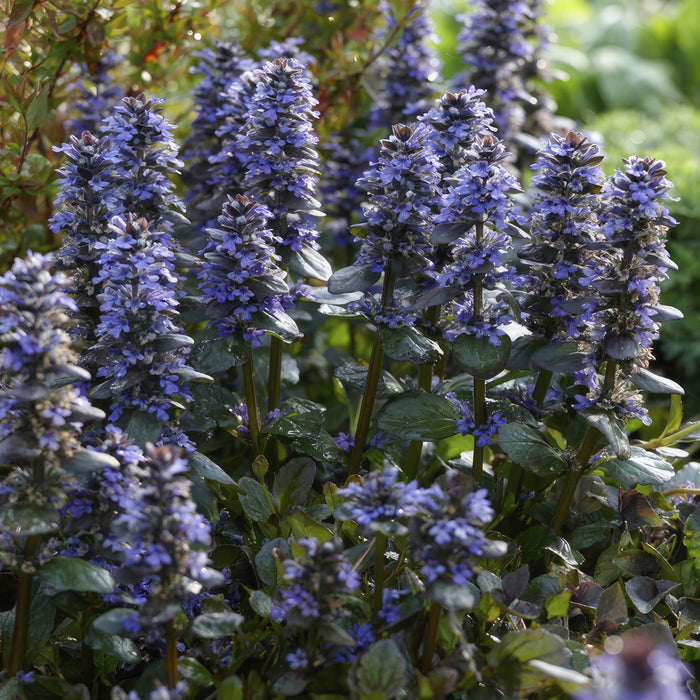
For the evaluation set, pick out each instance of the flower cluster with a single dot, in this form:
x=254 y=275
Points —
x=564 y=226
x=221 y=68
x=83 y=206
x=159 y=535
x=141 y=350
x=383 y=502
x=635 y=667
x=501 y=43
x=401 y=190
x=477 y=210
x=145 y=157
x=318 y=577
x=240 y=280
x=276 y=147
x=446 y=541
x=98 y=95
x=457 y=119
x=634 y=223
x=408 y=68
x=466 y=425
x=41 y=414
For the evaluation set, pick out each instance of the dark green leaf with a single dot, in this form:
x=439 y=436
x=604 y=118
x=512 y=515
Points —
x=648 y=381
x=620 y=346
x=562 y=549
x=691 y=539
x=511 y=658
x=611 y=429
x=479 y=357
x=355 y=377
x=21 y=9
x=301 y=418
x=289 y=684
x=417 y=415
x=261 y=603
x=24 y=519
x=207 y=469
x=218 y=354
x=71 y=574
x=171 y=341
x=308 y=262
x=111 y=621
x=524 y=445
x=454 y=597
x=642 y=467
x=266 y=562
x=216 y=624
x=84 y=461
x=645 y=592
x=356 y=278
x=612 y=606
x=38 y=107
x=321 y=447
x=280 y=325
x=293 y=482
x=435 y=297
x=560 y=357
x=114 y=645
x=448 y=232
x=195 y=672
x=408 y=344
x=382 y=671
x=254 y=501
x=231 y=688
x=143 y=427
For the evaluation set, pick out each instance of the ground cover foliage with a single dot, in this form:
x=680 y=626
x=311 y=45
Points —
x=344 y=387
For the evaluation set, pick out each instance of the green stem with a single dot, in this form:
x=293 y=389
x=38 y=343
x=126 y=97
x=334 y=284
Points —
x=370 y=392
x=20 y=632
x=479 y=384
x=583 y=457
x=544 y=377
x=252 y=404
x=87 y=672
x=415 y=447
x=379 y=550
x=274 y=377
x=171 y=655
x=430 y=638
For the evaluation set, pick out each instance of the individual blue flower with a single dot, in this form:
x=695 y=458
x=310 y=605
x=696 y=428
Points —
x=241 y=282
x=297 y=660
x=407 y=68
x=565 y=231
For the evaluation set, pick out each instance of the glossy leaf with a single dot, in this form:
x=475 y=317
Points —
x=643 y=467
x=479 y=357
x=408 y=344
x=356 y=278
x=293 y=482
x=612 y=430
x=71 y=574
x=524 y=445
x=648 y=381
x=216 y=624
x=253 y=499
x=308 y=262
x=218 y=354
x=417 y=415
x=559 y=357
x=645 y=593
